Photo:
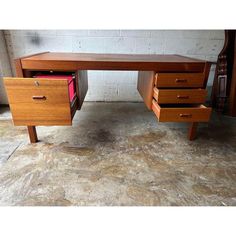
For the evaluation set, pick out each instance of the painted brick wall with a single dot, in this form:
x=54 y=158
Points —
x=114 y=85
x=5 y=69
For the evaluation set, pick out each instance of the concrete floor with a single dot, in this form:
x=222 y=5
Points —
x=118 y=154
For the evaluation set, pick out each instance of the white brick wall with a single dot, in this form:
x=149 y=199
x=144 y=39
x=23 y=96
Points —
x=5 y=69
x=110 y=85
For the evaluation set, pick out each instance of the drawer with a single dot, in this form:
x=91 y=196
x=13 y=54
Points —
x=186 y=113
x=183 y=96
x=69 y=77
x=41 y=101
x=176 y=80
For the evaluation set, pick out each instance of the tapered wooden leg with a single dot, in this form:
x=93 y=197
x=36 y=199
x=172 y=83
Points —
x=32 y=134
x=192 y=131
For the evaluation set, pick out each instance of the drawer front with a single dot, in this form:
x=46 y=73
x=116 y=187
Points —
x=179 y=96
x=178 y=80
x=39 y=102
x=198 y=113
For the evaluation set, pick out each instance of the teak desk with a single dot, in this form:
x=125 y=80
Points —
x=172 y=86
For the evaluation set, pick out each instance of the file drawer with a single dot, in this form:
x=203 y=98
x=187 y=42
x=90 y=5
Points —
x=41 y=101
x=70 y=79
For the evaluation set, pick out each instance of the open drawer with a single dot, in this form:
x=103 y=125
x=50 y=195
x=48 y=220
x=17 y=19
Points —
x=40 y=101
x=181 y=113
x=179 y=96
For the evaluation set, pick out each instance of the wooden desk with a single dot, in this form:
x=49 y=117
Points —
x=172 y=86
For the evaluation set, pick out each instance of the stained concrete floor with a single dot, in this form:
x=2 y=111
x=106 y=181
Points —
x=118 y=154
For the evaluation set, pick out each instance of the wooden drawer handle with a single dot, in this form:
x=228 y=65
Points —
x=39 y=97
x=182 y=97
x=181 y=80
x=185 y=115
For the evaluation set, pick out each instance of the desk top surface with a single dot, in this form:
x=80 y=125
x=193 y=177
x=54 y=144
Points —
x=58 y=56
x=93 y=61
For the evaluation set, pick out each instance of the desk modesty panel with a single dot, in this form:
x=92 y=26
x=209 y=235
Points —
x=172 y=86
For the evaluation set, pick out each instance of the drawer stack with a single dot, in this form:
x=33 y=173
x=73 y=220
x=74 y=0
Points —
x=179 y=97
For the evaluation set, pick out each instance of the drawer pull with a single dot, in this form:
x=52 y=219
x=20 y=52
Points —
x=185 y=115
x=182 y=97
x=39 y=97
x=181 y=80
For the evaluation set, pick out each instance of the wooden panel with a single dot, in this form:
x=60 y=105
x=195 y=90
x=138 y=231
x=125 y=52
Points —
x=192 y=132
x=109 y=57
x=206 y=73
x=43 y=103
x=82 y=86
x=18 y=64
x=232 y=95
x=92 y=61
x=168 y=96
x=198 y=113
x=145 y=86
x=74 y=106
x=32 y=134
x=19 y=71
x=176 y=80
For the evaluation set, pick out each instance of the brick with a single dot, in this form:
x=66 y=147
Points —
x=192 y=46
x=214 y=46
x=110 y=93
x=135 y=33
x=119 y=77
x=119 y=45
x=45 y=32
x=21 y=32
x=72 y=32
x=157 y=33
x=217 y=34
x=104 y=33
x=128 y=93
x=149 y=45
x=191 y=34
x=92 y=45
x=53 y=44
x=95 y=78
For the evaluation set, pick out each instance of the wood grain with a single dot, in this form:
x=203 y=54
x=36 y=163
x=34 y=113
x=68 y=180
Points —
x=179 y=96
x=181 y=114
x=206 y=73
x=232 y=94
x=192 y=132
x=92 y=61
x=53 y=110
x=82 y=86
x=145 y=86
x=57 y=110
x=179 y=80
x=18 y=67
x=19 y=73
x=32 y=134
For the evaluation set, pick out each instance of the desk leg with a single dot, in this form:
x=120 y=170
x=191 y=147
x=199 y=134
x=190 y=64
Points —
x=32 y=134
x=192 y=131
